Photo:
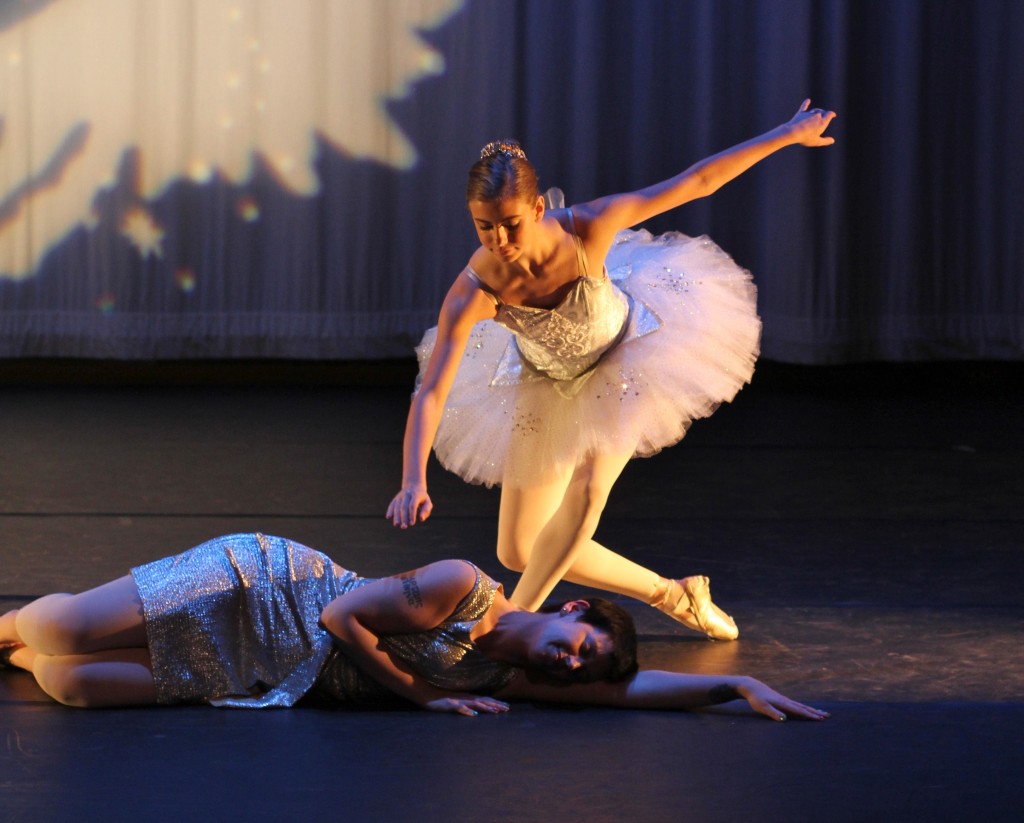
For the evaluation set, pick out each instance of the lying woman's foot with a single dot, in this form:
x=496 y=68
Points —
x=6 y=650
x=689 y=601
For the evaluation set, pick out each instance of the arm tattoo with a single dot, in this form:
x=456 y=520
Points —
x=723 y=694
x=411 y=590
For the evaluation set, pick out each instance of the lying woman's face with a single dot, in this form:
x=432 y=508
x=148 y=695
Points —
x=569 y=649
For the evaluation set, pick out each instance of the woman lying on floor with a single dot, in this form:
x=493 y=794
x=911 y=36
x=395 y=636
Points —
x=252 y=621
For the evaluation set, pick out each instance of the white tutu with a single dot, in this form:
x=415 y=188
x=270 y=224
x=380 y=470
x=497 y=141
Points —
x=690 y=344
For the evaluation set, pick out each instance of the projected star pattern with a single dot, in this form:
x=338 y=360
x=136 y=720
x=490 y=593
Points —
x=94 y=92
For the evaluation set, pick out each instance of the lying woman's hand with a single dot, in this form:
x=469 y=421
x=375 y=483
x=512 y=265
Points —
x=770 y=703
x=467 y=704
x=411 y=505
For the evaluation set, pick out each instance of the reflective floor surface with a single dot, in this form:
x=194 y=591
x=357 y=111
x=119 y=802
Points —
x=863 y=524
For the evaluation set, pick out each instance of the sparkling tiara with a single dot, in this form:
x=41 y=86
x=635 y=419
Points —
x=502 y=147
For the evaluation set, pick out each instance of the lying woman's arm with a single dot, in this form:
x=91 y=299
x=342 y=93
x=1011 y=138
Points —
x=663 y=690
x=414 y=601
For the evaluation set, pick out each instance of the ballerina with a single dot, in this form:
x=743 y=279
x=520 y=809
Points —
x=606 y=344
x=255 y=621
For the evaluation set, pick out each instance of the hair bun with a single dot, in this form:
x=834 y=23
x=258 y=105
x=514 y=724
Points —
x=510 y=148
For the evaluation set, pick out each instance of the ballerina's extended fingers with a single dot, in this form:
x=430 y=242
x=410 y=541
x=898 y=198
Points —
x=809 y=125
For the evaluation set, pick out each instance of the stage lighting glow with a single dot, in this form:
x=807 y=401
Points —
x=185 y=280
x=143 y=232
x=248 y=209
x=106 y=303
x=192 y=89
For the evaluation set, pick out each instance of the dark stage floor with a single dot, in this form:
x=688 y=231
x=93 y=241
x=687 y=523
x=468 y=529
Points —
x=863 y=525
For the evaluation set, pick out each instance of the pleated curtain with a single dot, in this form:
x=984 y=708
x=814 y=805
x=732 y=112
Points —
x=285 y=178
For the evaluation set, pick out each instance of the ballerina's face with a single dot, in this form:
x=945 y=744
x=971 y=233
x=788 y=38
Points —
x=505 y=227
x=569 y=649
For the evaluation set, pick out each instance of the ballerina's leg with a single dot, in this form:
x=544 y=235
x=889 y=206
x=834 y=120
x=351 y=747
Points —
x=567 y=530
x=601 y=568
x=550 y=539
x=523 y=514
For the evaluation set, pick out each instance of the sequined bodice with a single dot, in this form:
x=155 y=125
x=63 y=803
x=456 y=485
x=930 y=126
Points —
x=445 y=656
x=567 y=340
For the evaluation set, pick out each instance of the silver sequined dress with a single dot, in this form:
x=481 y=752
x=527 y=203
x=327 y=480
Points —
x=623 y=364
x=235 y=622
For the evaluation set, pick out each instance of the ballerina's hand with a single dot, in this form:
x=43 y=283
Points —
x=410 y=505
x=770 y=703
x=808 y=124
x=467 y=704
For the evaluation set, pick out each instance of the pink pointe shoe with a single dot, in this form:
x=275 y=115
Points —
x=689 y=601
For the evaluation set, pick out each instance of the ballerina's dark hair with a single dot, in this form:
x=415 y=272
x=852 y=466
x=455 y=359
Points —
x=502 y=171
x=612 y=618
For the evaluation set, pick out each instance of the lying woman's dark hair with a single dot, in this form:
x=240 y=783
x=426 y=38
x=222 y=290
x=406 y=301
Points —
x=612 y=618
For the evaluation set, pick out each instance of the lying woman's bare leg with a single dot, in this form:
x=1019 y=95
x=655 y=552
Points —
x=114 y=677
x=8 y=630
x=85 y=649
x=107 y=617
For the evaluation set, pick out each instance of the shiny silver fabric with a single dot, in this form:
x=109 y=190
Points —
x=444 y=656
x=235 y=622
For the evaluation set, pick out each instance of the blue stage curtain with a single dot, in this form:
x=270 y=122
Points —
x=146 y=213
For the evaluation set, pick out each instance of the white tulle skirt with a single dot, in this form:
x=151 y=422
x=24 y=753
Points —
x=691 y=342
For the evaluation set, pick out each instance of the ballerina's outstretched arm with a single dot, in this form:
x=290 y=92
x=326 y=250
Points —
x=652 y=689
x=608 y=215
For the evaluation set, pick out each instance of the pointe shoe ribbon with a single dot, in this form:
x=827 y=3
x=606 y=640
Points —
x=689 y=601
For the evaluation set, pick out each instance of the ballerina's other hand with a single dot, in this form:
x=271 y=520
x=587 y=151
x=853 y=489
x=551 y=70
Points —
x=808 y=124
x=409 y=506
